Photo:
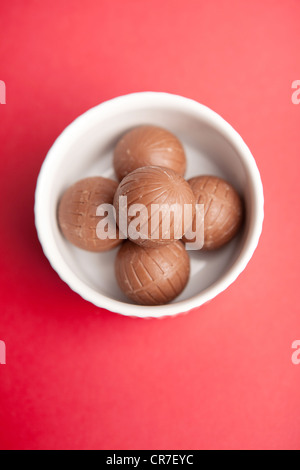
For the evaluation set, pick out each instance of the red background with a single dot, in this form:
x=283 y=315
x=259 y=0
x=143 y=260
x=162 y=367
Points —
x=78 y=377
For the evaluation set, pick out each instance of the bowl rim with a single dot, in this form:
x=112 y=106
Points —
x=79 y=126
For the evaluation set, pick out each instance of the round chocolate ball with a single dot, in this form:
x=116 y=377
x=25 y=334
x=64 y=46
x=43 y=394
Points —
x=152 y=276
x=147 y=146
x=223 y=209
x=77 y=214
x=154 y=205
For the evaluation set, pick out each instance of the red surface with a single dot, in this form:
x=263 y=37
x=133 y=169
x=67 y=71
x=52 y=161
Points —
x=78 y=377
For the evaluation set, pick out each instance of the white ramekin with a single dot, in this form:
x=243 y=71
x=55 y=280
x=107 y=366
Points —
x=85 y=148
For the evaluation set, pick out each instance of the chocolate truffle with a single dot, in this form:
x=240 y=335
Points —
x=152 y=276
x=77 y=213
x=150 y=206
x=223 y=209
x=147 y=146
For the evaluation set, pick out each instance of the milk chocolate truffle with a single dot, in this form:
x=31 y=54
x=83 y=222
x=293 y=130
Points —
x=77 y=213
x=150 y=206
x=223 y=209
x=152 y=276
x=147 y=146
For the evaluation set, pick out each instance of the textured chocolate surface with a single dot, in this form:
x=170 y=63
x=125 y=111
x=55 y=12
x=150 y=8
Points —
x=223 y=209
x=147 y=146
x=152 y=276
x=160 y=186
x=77 y=213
